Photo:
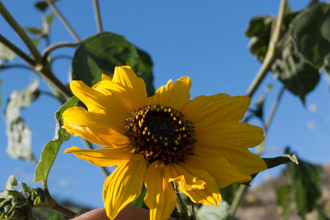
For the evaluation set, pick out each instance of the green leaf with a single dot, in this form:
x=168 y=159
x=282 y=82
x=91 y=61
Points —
x=101 y=53
x=35 y=42
x=33 y=30
x=19 y=134
x=259 y=32
x=283 y=200
x=139 y=202
x=297 y=75
x=276 y=161
x=310 y=31
x=11 y=182
x=306 y=180
x=50 y=18
x=42 y=5
x=322 y=213
x=327 y=63
x=13 y=204
x=147 y=74
x=5 y=53
x=51 y=149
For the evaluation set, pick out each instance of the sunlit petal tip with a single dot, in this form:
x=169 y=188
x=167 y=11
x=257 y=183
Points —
x=77 y=84
x=106 y=77
x=213 y=199
x=71 y=149
x=124 y=185
x=186 y=80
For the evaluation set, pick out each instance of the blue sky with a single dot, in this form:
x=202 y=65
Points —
x=201 y=39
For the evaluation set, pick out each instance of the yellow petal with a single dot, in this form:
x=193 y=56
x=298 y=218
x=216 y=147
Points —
x=176 y=172
x=160 y=197
x=106 y=77
x=242 y=159
x=97 y=101
x=125 y=76
x=95 y=127
x=96 y=121
x=174 y=95
x=220 y=169
x=103 y=157
x=230 y=134
x=124 y=185
x=208 y=194
x=207 y=110
x=123 y=90
x=109 y=139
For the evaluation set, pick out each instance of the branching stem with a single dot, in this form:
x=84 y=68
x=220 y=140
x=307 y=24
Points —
x=98 y=16
x=269 y=58
x=21 y=66
x=17 y=51
x=64 y=21
x=274 y=108
x=52 y=204
x=181 y=207
x=53 y=47
x=20 y=31
x=271 y=52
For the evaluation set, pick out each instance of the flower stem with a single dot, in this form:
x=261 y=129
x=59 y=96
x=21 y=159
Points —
x=181 y=207
x=17 y=51
x=52 y=47
x=52 y=204
x=238 y=199
x=21 y=66
x=274 y=108
x=271 y=52
x=261 y=147
x=98 y=16
x=64 y=21
x=20 y=31
x=269 y=59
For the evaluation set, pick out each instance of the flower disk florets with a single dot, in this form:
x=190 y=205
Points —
x=160 y=133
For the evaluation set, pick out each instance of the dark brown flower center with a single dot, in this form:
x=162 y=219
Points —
x=160 y=133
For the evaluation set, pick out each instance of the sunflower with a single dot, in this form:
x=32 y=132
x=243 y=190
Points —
x=197 y=146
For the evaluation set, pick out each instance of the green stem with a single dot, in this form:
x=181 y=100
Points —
x=238 y=199
x=52 y=204
x=53 y=47
x=98 y=16
x=20 y=66
x=38 y=66
x=274 y=108
x=54 y=83
x=64 y=21
x=271 y=52
x=261 y=147
x=191 y=206
x=20 y=31
x=17 y=51
x=269 y=58
x=181 y=207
